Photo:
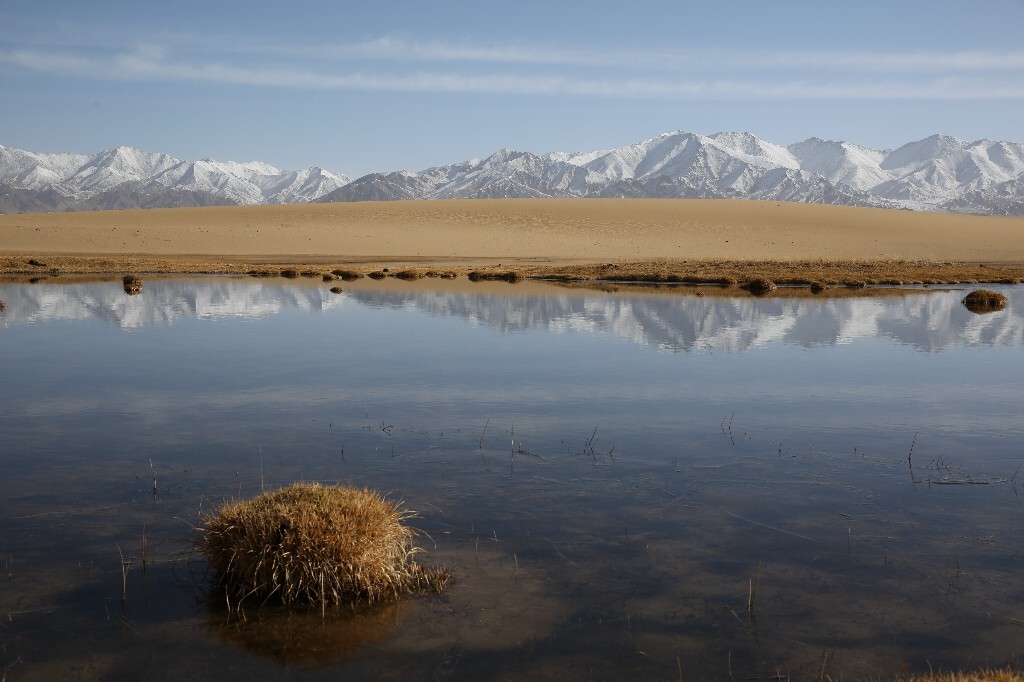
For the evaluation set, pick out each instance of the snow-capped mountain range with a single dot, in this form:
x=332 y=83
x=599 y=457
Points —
x=938 y=173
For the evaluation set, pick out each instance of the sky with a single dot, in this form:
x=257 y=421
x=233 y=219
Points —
x=358 y=87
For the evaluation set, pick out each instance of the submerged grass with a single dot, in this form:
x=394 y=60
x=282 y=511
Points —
x=316 y=544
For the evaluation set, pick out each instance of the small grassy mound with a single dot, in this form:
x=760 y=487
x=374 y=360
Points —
x=346 y=275
x=984 y=301
x=510 y=277
x=290 y=273
x=760 y=285
x=132 y=284
x=818 y=287
x=3 y=306
x=336 y=290
x=316 y=544
x=378 y=274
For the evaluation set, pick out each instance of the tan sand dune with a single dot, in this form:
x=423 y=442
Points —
x=518 y=230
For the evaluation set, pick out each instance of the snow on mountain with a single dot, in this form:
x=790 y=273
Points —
x=159 y=179
x=938 y=173
x=841 y=162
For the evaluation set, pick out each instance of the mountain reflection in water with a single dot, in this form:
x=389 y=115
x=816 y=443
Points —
x=928 y=320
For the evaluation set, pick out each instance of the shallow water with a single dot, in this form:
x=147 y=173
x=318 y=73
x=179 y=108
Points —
x=610 y=472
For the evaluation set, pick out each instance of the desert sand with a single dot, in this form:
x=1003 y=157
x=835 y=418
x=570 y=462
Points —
x=514 y=233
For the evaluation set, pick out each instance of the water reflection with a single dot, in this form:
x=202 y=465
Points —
x=674 y=322
x=305 y=638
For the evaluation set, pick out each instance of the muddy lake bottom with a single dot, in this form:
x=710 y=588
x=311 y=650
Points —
x=638 y=484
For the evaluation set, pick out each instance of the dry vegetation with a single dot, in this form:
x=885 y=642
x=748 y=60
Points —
x=316 y=544
x=984 y=301
x=849 y=273
x=132 y=284
x=1001 y=675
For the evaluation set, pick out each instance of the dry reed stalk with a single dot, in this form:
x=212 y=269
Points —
x=124 y=579
x=310 y=543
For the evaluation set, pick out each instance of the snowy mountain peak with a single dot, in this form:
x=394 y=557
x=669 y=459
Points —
x=939 y=172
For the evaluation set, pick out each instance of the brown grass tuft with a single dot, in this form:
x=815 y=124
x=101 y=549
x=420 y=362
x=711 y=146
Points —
x=443 y=274
x=328 y=277
x=317 y=544
x=377 y=274
x=819 y=287
x=760 y=285
x=3 y=306
x=511 y=276
x=336 y=290
x=290 y=273
x=132 y=284
x=347 y=275
x=407 y=274
x=984 y=301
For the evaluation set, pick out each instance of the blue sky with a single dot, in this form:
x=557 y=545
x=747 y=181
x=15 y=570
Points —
x=359 y=87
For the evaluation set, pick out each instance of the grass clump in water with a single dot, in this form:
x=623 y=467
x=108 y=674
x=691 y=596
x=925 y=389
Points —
x=290 y=273
x=336 y=290
x=347 y=275
x=511 y=276
x=760 y=285
x=132 y=284
x=3 y=306
x=316 y=544
x=984 y=301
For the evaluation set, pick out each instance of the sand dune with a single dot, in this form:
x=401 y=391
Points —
x=552 y=229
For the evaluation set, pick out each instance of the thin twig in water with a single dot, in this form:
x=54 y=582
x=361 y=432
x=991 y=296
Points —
x=153 y=469
x=484 y=433
x=910 y=458
x=765 y=525
x=752 y=591
x=826 y=656
x=124 y=578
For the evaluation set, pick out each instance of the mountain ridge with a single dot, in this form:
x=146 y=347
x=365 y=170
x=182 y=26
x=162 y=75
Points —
x=937 y=173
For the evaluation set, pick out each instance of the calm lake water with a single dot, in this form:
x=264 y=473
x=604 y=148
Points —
x=609 y=472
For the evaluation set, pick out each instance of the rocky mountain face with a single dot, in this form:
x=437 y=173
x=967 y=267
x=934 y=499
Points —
x=939 y=173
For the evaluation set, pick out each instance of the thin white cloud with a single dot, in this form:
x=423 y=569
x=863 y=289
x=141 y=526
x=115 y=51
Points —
x=402 y=50
x=156 y=64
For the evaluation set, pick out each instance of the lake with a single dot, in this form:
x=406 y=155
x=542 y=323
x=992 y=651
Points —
x=629 y=481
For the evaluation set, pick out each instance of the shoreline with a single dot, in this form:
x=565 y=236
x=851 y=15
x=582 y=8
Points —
x=653 y=240
x=668 y=271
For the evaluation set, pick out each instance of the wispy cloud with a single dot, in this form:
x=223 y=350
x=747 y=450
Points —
x=400 y=65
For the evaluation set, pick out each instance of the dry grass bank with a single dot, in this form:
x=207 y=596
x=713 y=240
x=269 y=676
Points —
x=650 y=239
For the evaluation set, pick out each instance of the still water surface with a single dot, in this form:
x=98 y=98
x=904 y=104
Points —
x=609 y=472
